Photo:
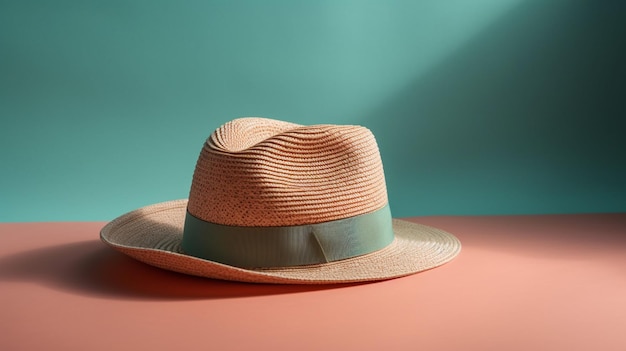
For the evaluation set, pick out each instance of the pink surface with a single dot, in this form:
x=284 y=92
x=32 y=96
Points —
x=520 y=283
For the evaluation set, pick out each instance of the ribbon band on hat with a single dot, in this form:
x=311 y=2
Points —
x=284 y=246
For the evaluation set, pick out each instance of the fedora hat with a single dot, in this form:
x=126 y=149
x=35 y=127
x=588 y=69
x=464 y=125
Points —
x=278 y=202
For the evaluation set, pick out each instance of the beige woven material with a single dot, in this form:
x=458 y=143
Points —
x=262 y=172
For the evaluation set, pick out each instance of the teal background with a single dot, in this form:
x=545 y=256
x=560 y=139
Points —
x=479 y=107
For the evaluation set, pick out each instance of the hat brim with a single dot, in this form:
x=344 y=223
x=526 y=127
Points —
x=152 y=235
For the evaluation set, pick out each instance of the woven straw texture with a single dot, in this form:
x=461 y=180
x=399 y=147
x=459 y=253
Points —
x=153 y=234
x=263 y=172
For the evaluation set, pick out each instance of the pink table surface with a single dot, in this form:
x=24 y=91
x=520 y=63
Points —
x=554 y=282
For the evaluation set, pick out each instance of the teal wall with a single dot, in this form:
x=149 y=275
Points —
x=479 y=107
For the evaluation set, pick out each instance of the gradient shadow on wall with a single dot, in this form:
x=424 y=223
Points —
x=104 y=105
x=527 y=117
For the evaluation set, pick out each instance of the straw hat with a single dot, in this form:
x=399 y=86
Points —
x=277 y=202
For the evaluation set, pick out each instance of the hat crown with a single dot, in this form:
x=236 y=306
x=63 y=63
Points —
x=263 y=172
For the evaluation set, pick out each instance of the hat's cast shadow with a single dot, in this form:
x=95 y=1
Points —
x=91 y=268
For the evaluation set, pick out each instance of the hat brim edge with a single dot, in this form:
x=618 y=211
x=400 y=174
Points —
x=152 y=235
